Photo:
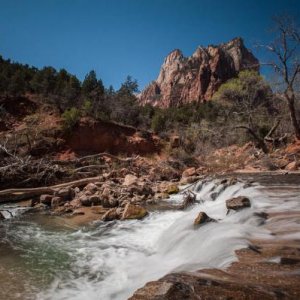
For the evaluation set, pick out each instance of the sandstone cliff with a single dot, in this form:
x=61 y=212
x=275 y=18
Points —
x=196 y=78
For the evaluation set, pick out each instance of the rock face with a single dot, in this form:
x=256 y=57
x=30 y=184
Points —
x=196 y=78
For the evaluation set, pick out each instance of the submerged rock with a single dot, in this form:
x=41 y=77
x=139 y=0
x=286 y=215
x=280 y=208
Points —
x=134 y=212
x=238 y=203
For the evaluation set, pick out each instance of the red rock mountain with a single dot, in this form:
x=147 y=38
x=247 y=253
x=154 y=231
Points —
x=196 y=78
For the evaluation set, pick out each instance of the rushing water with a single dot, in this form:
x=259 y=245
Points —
x=41 y=259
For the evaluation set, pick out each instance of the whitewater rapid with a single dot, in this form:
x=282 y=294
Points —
x=109 y=261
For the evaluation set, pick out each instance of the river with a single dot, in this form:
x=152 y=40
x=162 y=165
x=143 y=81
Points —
x=46 y=257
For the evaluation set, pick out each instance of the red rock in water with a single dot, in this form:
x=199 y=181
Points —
x=196 y=78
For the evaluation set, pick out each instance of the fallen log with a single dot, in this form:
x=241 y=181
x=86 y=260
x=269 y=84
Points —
x=12 y=195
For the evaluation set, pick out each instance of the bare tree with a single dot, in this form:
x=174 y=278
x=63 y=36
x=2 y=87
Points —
x=285 y=49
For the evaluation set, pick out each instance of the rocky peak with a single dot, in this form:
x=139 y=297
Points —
x=196 y=78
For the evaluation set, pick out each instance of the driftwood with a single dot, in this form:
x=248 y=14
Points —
x=27 y=193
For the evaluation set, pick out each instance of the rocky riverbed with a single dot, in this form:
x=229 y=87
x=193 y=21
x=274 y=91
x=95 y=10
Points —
x=225 y=238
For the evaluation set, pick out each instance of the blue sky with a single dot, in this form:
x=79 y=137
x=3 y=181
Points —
x=127 y=37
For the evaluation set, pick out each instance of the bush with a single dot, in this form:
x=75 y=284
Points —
x=158 y=123
x=70 y=118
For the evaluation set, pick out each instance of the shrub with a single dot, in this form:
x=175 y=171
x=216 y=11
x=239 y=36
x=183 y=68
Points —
x=158 y=123
x=70 y=118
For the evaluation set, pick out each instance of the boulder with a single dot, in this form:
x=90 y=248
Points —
x=85 y=200
x=65 y=193
x=91 y=187
x=238 y=203
x=95 y=200
x=189 y=172
x=134 y=212
x=75 y=203
x=105 y=193
x=46 y=199
x=110 y=202
x=130 y=179
x=203 y=218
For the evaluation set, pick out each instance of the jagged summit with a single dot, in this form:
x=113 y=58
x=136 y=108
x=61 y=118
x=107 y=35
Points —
x=197 y=77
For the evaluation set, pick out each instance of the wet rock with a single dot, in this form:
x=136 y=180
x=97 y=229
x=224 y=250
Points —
x=161 y=196
x=156 y=290
x=129 y=180
x=214 y=195
x=56 y=201
x=46 y=199
x=40 y=207
x=110 y=215
x=203 y=218
x=188 y=200
x=238 y=203
x=34 y=201
x=172 y=189
x=134 y=212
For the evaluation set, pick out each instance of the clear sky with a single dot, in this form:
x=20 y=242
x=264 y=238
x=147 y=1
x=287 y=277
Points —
x=127 y=37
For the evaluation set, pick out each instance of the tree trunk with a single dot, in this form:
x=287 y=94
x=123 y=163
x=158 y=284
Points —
x=290 y=97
